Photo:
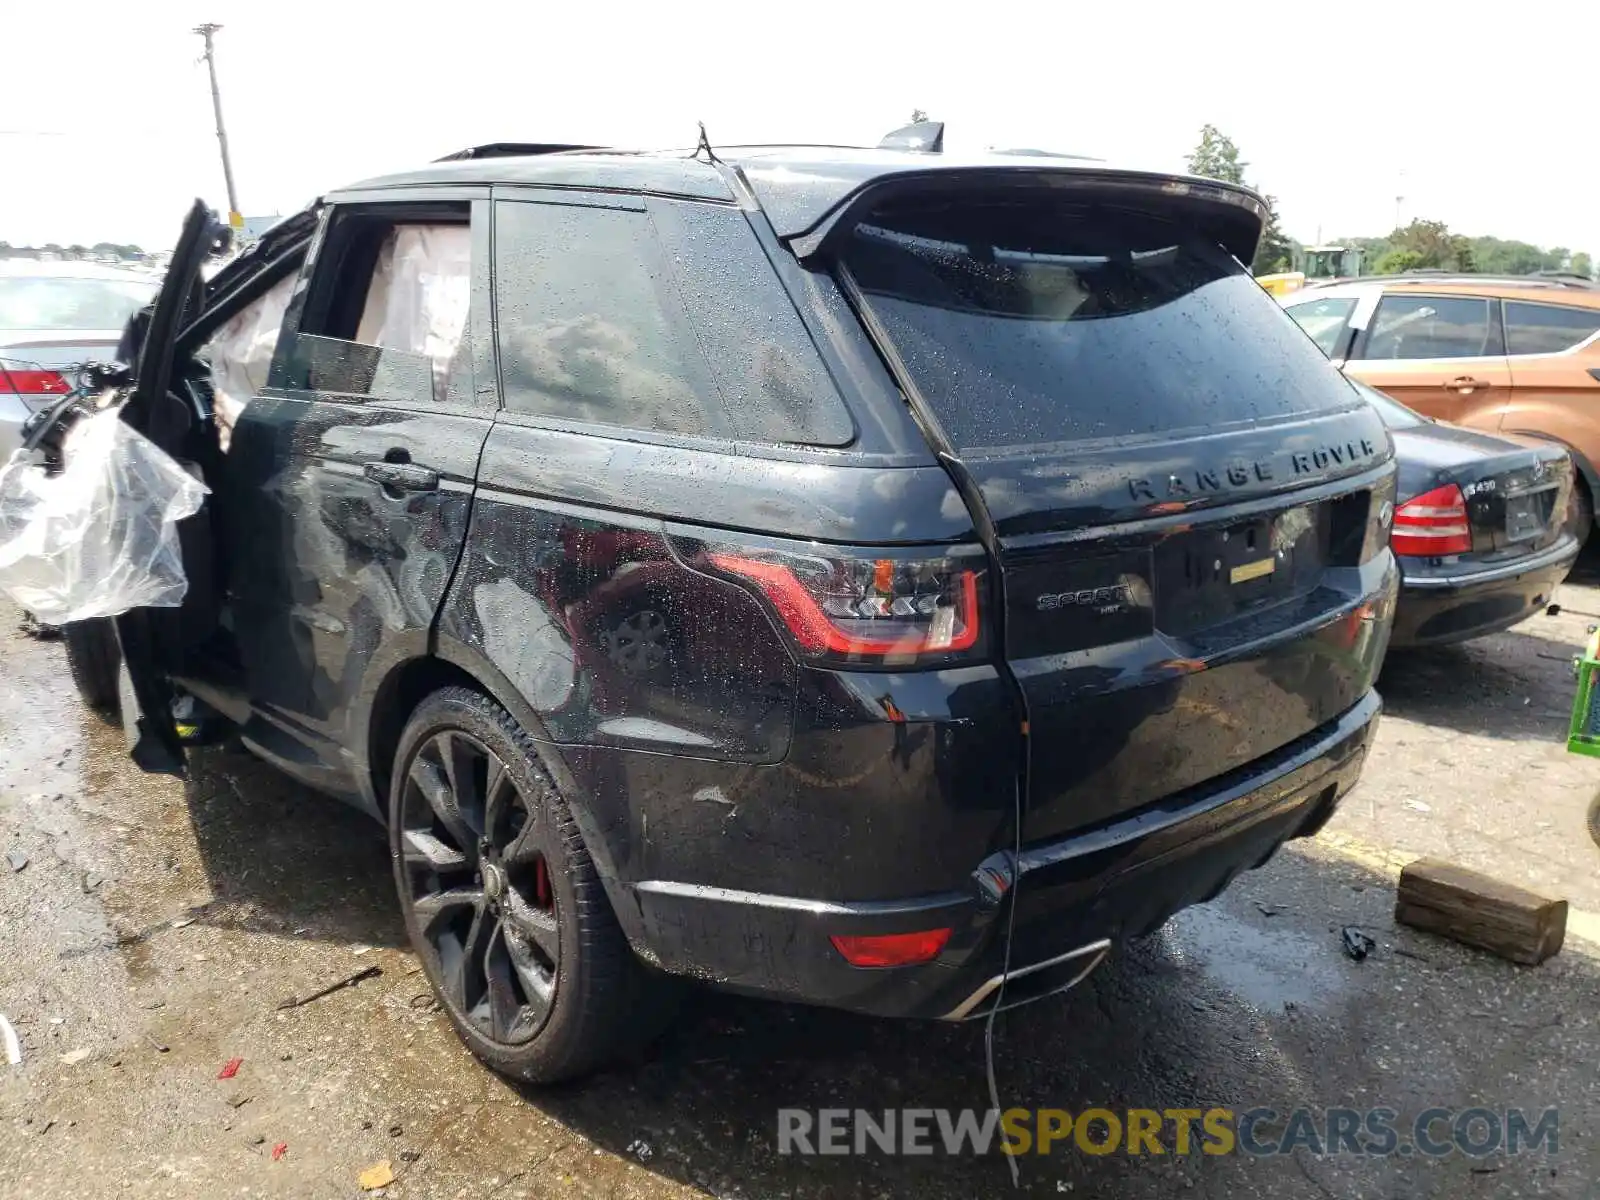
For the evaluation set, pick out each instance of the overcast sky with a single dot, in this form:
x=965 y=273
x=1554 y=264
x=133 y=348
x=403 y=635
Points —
x=1483 y=116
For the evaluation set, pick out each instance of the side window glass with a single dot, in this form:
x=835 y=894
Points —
x=1323 y=320
x=1547 y=328
x=586 y=322
x=1430 y=327
x=391 y=322
x=773 y=384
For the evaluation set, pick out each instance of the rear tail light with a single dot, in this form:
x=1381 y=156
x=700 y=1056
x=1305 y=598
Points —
x=1432 y=524
x=32 y=381
x=872 y=608
x=892 y=949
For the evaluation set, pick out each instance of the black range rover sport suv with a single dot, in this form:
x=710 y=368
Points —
x=831 y=575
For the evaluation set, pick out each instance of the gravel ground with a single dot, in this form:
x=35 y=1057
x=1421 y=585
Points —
x=157 y=925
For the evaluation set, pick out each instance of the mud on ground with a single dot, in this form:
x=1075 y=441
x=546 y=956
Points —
x=157 y=925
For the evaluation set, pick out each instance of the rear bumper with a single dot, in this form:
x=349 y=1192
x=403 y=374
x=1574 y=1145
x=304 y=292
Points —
x=1117 y=880
x=1451 y=606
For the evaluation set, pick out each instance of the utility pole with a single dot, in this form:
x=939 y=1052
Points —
x=235 y=218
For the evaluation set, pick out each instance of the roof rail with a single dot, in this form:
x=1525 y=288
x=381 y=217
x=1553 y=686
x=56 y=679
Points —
x=1434 y=275
x=513 y=150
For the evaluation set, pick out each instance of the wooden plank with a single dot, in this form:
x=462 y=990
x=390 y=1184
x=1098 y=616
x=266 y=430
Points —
x=1476 y=910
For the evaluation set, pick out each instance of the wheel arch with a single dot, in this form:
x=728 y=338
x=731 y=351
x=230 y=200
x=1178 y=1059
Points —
x=454 y=664
x=1586 y=471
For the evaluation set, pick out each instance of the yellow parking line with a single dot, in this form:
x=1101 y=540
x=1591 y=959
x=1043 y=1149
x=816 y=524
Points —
x=1388 y=863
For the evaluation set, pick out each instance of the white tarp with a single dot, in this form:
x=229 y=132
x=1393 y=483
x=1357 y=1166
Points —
x=100 y=536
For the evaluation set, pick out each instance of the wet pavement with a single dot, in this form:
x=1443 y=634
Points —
x=157 y=925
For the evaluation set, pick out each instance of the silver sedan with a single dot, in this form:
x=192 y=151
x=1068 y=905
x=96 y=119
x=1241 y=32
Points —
x=54 y=315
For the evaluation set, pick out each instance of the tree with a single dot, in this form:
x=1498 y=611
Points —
x=918 y=115
x=1275 y=251
x=1582 y=264
x=1397 y=261
x=1426 y=245
x=1499 y=257
x=1216 y=157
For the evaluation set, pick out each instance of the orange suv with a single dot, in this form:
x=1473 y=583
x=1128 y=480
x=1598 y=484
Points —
x=1515 y=354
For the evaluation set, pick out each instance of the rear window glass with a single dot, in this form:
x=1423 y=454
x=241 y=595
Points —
x=1547 y=328
x=58 y=303
x=1041 y=321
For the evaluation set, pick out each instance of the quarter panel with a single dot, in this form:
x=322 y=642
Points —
x=1555 y=396
x=610 y=640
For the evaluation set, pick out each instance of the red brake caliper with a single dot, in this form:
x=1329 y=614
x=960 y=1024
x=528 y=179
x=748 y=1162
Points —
x=541 y=884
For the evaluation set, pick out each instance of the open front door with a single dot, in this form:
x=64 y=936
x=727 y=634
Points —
x=164 y=409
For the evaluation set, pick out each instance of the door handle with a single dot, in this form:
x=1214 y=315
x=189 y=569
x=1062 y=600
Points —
x=1465 y=384
x=403 y=477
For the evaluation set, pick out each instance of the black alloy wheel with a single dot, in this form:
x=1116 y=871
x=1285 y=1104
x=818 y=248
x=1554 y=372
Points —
x=503 y=903
x=472 y=845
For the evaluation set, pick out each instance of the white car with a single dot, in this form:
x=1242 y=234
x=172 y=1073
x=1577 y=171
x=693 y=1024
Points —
x=54 y=315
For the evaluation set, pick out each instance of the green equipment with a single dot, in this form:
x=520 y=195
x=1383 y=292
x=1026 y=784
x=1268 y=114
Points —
x=1583 y=734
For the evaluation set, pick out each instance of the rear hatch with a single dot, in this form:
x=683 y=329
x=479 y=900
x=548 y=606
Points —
x=1179 y=485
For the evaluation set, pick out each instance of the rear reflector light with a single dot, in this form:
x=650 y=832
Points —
x=888 y=611
x=1432 y=524
x=32 y=382
x=892 y=949
x=1379 y=519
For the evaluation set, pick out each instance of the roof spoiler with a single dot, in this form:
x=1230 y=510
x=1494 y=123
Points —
x=513 y=150
x=921 y=137
x=1232 y=215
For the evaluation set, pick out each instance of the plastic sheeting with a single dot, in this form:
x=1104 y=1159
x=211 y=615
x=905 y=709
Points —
x=241 y=353
x=419 y=295
x=99 y=537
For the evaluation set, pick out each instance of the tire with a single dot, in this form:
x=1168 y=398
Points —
x=502 y=901
x=1594 y=819
x=1580 y=511
x=94 y=657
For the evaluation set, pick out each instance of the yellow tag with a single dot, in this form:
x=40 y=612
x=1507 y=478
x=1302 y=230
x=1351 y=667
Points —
x=1254 y=570
x=236 y=220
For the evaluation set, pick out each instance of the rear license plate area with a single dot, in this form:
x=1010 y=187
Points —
x=1208 y=575
x=1526 y=516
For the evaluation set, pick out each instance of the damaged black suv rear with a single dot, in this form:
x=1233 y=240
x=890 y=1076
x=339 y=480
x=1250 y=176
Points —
x=829 y=575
